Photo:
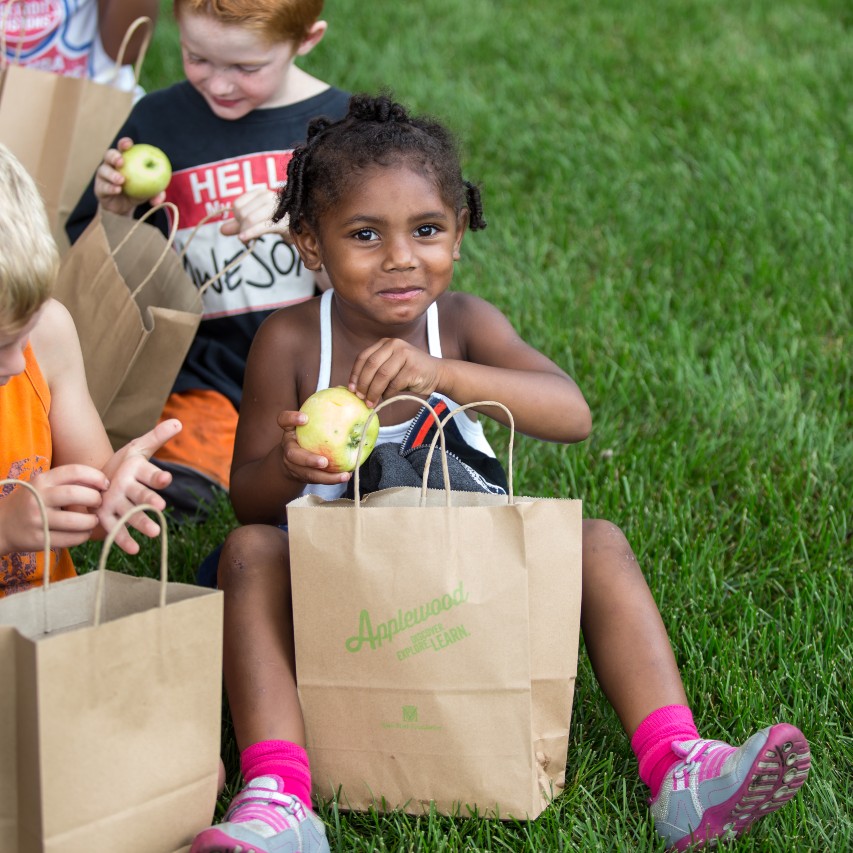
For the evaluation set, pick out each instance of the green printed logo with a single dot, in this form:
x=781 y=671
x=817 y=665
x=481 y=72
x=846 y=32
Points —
x=402 y=621
x=410 y=713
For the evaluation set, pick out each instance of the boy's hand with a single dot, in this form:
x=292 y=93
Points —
x=301 y=465
x=252 y=216
x=109 y=182
x=133 y=479
x=78 y=486
x=392 y=366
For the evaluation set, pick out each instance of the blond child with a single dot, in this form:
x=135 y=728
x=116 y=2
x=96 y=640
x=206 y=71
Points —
x=228 y=130
x=50 y=432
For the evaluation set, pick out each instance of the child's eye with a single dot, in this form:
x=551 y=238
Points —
x=248 y=69
x=365 y=234
x=195 y=60
x=426 y=231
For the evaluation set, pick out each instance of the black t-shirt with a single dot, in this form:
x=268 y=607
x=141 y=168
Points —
x=214 y=161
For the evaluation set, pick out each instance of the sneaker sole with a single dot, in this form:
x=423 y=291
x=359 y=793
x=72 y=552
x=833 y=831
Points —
x=214 y=841
x=776 y=774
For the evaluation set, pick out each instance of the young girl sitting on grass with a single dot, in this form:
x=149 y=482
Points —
x=377 y=200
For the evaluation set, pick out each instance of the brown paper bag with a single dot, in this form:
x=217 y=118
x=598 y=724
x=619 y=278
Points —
x=110 y=688
x=436 y=646
x=60 y=127
x=136 y=312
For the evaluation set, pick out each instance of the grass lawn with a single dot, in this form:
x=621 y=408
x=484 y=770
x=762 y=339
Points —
x=669 y=194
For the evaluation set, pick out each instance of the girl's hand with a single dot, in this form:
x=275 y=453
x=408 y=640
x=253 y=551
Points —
x=301 y=465
x=252 y=216
x=77 y=486
x=109 y=182
x=133 y=479
x=392 y=366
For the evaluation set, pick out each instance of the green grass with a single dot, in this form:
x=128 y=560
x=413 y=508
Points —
x=670 y=195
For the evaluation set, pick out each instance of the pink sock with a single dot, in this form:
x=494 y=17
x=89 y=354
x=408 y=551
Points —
x=281 y=758
x=651 y=742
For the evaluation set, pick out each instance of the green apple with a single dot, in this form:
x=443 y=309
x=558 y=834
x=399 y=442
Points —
x=147 y=171
x=336 y=419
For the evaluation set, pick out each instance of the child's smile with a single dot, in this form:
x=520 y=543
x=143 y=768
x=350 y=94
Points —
x=389 y=244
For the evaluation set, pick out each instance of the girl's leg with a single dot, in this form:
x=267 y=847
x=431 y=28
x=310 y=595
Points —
x=272 y=811
x=258 y=657
x=623 y=631
x=702 y=790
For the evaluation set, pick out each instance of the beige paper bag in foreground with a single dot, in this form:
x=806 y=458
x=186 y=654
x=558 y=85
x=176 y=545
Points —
x=110 y=694
x=436 y=647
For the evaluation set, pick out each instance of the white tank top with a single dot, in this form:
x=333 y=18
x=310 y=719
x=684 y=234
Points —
x=472 y=431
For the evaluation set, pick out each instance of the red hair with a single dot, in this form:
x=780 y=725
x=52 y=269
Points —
x=274 y=20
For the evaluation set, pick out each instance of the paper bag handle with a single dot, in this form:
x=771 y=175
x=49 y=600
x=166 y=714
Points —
x=231 y=264
x=170 y=239
x=11 y=481
x=141 y=21
x=510 y=445
x=108 y=543
x=439 y=436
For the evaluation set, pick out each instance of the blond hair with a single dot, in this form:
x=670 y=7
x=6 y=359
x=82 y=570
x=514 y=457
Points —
x=29 y=259
x=273 y=20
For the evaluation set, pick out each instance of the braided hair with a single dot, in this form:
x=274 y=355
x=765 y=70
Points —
x=375 y=132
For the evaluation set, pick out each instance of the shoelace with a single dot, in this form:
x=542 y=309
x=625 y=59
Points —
x=691 y=763
x=286 y=812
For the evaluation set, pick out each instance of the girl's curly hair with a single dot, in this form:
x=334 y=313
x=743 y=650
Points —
x=375 y=131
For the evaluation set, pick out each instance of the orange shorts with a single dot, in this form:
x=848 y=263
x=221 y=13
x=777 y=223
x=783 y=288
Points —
x=206 y=443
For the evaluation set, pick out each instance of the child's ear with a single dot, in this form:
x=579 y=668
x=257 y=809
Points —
x=461 y=227
x=309 y=248
x=314 y=37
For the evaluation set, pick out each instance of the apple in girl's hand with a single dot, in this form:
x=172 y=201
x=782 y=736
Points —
x=336 y=419
x=147 y=171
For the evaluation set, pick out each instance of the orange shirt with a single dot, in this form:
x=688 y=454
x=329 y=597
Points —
x=25 y=450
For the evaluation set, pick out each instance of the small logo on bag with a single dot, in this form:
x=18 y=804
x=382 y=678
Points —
x=411 y=722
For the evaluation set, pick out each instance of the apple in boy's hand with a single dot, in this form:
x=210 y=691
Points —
x=336 y=419
x=147 y=171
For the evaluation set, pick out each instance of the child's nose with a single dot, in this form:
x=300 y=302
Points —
x=219 y=83
x=400 y=254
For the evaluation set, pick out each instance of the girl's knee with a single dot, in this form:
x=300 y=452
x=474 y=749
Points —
x=600 y=535
x=251 y=552
x=607 y=555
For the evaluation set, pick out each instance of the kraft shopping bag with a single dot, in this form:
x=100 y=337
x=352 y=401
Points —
x=436 y=641
x=136 y=311
x=59 y=127
x=110 y=688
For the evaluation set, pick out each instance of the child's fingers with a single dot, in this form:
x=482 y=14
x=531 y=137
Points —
x=144 y=524
x=69 y=527
x=138 y=521
x=73 y=474
x=290 y=420
x=126 y=542
x=71 y=495
x=149 y=443
x=309 y=467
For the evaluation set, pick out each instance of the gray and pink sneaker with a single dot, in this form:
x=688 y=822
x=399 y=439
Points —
x=717 y=791
x=263 y=819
